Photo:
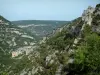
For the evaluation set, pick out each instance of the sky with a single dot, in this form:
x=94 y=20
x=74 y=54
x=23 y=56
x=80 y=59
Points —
x=44 y=9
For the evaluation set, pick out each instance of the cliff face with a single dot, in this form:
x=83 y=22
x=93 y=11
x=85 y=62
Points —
x=87 y=15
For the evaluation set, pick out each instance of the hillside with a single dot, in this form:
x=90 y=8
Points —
x=12 y=38
x=73 y=49
x=40 y=28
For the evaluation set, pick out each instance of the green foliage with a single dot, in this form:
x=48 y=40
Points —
x=50 y=69
x=76 y=22
x=60 y=40
x=87 y=56
x=93 y=46
x=21 y=64
x=4 y=73
x=98 y=5
x=96 y=20
x=87 y=30
x=63 y=57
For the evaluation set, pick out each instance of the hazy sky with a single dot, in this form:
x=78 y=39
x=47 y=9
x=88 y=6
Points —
x=44 y=9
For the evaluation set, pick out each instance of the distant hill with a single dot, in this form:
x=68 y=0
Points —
x=40 y=28
x=26 y=22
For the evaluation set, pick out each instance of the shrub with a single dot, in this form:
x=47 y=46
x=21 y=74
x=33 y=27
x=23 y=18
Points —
x=87 y=56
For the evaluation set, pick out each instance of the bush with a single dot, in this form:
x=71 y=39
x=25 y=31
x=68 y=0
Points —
x=87 y=56
x=60 y=40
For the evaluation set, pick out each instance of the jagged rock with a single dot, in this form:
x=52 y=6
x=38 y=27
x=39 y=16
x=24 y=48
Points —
x=50 y=58
x=87 y=15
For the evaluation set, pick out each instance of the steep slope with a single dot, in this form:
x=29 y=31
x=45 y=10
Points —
x=14 y=36
x=74 y=49
x=11 y=39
